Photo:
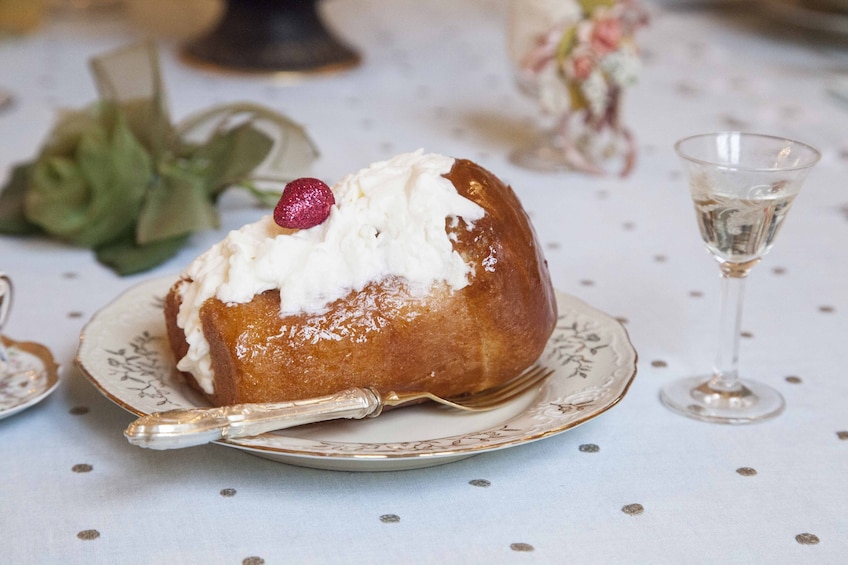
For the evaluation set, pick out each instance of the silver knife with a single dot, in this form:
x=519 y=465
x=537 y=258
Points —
x=186 y=427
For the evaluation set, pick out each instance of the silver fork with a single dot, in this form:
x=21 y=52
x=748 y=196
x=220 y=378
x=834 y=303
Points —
x=186 y=427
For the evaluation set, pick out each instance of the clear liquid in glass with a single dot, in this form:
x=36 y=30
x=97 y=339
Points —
x=738 y=230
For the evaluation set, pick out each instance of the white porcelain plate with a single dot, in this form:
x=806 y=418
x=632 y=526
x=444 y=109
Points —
x=32 y=375
x=124 y=352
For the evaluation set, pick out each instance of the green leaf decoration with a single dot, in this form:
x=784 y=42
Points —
x=13 y=219
x=69 y=130
x=118 y=177
x=293 y=150
x=126 y=257
x=130 y=77
x=266 y=197
x=90 y=200
x=178 y=203
x=145 y=119
x=229 y=156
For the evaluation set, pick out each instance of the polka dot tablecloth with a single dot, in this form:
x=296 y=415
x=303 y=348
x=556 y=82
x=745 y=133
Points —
x=637 y=484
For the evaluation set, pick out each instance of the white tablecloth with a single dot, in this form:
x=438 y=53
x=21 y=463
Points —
x=436 y=76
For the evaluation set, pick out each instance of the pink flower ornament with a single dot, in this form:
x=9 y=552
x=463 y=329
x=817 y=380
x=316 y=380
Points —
x=606 y=35
x=582 y=65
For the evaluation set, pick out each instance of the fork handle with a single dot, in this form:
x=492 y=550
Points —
x=187 y=427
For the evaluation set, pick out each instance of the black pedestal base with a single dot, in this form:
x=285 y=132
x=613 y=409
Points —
x=271 y=36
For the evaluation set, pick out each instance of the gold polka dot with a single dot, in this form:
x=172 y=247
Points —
x=629 y=226
x=589 y=448
x=587 y=282
x=633 y=509
x=659 y=363
x=733 y=122
x=842 y=434
x=807 y=539
x=790 y=112
x=778 y=270
x=686 y=89
x=82 y=468
x=252 y=560
x=746 y=334
x=602 y=194
x=793 y=379
x=746 y=471
x=69 y=275
x=660 y=258
x=390 y=518
x=78 y=410
x=554 y=245
x=228 y=492
x=696 y=293
x=521 y=547
x=74 y=314
x=88 y=534
x=827 y=309
x=479 y=483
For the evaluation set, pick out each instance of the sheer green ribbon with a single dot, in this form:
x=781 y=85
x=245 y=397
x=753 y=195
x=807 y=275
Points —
x=118 y=177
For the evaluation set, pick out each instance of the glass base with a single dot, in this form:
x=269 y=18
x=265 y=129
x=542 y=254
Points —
x=584 y=150
x=544 y=153
x=746 y=403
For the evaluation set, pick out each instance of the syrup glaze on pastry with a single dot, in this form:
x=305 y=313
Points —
x=452 y=296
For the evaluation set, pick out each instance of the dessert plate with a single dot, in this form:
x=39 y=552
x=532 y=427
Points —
x=32 y=376
x=124 y=352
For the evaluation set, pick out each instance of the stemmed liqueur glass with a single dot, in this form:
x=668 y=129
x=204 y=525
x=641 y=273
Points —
x=742 y=185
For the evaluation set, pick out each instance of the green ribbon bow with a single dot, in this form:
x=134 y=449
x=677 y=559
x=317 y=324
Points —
x=119 y=178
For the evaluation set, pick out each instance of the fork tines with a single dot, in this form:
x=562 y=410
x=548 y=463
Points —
x=505 y=392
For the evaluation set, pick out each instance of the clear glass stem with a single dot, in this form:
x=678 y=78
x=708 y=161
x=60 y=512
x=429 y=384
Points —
x=726 y=368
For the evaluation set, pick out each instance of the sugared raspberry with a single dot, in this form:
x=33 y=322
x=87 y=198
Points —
x=305 y=203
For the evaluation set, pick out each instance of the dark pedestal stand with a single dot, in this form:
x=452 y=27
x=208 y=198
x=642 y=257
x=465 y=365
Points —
x=271 y=36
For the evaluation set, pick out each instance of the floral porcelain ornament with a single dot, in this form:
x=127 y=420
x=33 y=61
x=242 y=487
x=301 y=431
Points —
x=580 y=66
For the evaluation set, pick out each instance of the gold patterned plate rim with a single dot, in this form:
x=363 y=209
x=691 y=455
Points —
x=124 y=352
x=33 y=375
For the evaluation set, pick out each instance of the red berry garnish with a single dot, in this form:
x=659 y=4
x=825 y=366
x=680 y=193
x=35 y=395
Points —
x=305 y=203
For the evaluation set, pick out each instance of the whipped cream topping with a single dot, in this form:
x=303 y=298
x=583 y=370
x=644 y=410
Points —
x=388 y=221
